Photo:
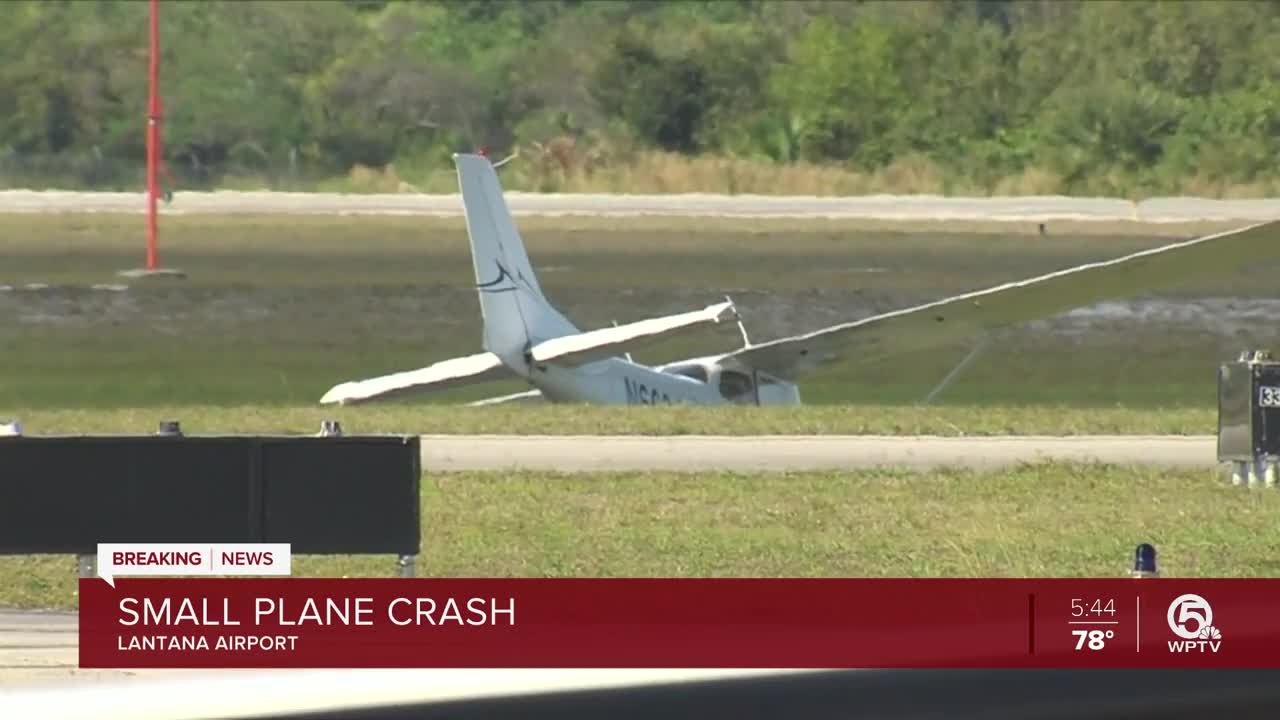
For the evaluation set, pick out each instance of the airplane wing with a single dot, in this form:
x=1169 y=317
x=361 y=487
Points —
x=526 y=396
x=585 y=347
x=482 y=367
x=956 y=318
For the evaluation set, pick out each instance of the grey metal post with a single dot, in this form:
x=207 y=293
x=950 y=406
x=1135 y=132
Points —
x=1239 y=473
x=405 y=565
x=87 y=565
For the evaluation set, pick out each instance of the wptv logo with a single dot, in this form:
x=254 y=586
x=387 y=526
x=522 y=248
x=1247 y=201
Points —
x=1191 y=619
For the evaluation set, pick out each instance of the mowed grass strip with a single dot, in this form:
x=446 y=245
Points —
x=299 y=251
x=547 y=419
x=1045 y=520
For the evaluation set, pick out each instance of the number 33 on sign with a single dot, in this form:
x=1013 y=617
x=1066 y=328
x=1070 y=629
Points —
x=1092 y=622
x=1268 y=396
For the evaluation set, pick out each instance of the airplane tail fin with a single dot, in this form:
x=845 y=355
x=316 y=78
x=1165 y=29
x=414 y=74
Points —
x=516 y=313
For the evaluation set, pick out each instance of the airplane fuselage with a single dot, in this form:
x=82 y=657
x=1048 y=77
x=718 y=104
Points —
x=616 y=381
x=526 y=336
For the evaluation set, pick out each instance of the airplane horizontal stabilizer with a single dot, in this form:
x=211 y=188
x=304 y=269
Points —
x=586 y=347
x=455 y=372
x=970 y=315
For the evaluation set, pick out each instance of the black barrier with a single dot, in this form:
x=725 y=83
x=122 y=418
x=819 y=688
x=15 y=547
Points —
x=309 y=498
x=339 y=495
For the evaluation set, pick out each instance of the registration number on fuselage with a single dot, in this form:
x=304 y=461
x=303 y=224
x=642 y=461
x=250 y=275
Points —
x=640 y=394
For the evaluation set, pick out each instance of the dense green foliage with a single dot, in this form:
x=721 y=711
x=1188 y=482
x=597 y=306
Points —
x=1034 y=95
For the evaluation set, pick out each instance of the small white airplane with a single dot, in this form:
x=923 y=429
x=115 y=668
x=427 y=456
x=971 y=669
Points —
x=526 y=337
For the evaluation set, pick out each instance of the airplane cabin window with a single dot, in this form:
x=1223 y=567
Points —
x=735 y=384
x=697 y=372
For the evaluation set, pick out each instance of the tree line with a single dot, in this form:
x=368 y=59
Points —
x=1052 y=95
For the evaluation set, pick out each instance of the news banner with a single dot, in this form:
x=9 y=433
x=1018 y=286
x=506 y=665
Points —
x=235 y=606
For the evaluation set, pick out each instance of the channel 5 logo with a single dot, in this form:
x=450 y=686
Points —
x=1191 y=619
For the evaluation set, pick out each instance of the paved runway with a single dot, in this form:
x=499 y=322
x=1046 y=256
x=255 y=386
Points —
x=38 y=643
x=878 y=207
x=39 y=647
x=569 y=453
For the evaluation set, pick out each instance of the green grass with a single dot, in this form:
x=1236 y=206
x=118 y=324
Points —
x=862 y=419
x=278 y=309
x=1050 y=520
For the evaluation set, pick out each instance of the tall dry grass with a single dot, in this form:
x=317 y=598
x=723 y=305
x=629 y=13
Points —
x=567 y=166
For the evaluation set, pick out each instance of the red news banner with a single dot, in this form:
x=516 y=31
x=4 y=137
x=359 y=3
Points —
x=694 y=623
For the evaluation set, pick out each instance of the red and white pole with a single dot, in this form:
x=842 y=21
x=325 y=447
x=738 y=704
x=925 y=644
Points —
x=153 y=136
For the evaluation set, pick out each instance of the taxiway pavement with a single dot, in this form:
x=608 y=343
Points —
x=877 y=207
x=38 y=646
x=779 y=453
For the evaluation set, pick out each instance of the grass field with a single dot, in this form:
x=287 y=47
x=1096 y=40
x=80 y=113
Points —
x=1037 y=521
x=545 y=419
x=278 y=309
